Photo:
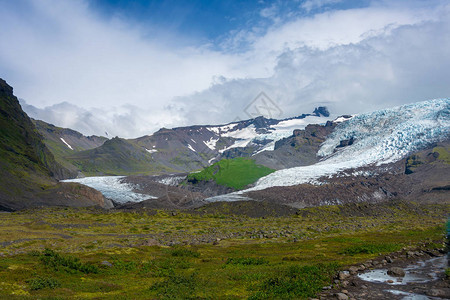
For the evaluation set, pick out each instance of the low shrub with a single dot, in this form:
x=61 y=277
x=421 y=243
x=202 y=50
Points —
x=183 y=252
x=39 y=283
x=296 y=282
x=165 y=267
x=65 y=263
x=177 y=287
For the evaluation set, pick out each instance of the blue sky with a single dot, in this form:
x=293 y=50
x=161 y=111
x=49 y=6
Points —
x=212 y=21
x=129 y=69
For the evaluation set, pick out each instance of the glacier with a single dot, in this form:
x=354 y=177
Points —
x=381 y=137
x=113 y=188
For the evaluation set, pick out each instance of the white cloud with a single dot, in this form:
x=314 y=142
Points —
x=315 y=4
x=115 y=79
x=69 y=54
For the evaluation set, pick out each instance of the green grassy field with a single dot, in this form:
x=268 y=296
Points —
x=88 y=253
x=235 y=173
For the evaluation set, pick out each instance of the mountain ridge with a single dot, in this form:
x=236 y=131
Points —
x=179 y=149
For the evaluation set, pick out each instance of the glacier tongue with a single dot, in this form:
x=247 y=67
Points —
x=381 y=137
x=113 y=188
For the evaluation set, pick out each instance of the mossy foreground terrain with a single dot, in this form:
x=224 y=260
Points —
x=64 y=253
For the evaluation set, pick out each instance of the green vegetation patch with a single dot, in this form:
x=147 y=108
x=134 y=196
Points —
x=247 y=261
x=177 y=287
x=444 y=153
x=65 y=263
x=296 y=282
x=183 y=252
x=371 y=248
x=236 y=173
x=39 y=282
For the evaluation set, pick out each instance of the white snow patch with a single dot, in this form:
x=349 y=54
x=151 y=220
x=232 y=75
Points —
x=211 y=144
x=190 y=147
x=228 y=127
x=151 y=150
x=342 y=119
x=269 y=147
x=222 y=129
x=70 y=147
x=216 y=130
x=243 y=137
x=171 y=180
x=248 y=132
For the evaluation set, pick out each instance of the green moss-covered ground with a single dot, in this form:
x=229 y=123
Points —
x=88 y=253
x=235 y=173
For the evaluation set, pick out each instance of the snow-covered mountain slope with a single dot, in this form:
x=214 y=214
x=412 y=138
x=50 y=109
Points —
x=204 y=143
x=379 y=137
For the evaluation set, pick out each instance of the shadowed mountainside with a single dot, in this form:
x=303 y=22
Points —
x=28 y=169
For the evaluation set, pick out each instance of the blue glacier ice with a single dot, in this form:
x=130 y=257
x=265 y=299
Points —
x=381 y=137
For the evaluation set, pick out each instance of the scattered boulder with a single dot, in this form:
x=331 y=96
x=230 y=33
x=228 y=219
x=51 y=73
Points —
x=389 y=259
x=151 y=242
x=396 y=272
x=341 y=296
x=353 y=270
x=343 y=275
x=106 y=263
x=442 y=293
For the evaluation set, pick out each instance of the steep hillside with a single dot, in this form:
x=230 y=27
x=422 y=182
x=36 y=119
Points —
x=117 y=157
x=63 y=142
x=27 y=168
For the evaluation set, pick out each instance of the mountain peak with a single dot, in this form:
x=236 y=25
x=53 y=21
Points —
x=321 y=111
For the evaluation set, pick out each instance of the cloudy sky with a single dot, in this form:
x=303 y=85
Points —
x=131 y=67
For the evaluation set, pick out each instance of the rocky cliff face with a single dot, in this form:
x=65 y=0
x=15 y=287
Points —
x=27 y=167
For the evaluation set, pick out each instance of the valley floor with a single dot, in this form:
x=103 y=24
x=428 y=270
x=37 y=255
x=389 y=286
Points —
x=214 y=252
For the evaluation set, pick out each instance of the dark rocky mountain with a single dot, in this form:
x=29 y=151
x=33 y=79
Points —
x=28 y=169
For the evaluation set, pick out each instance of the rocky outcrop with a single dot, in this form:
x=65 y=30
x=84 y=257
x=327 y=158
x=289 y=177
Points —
x=321 y=111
